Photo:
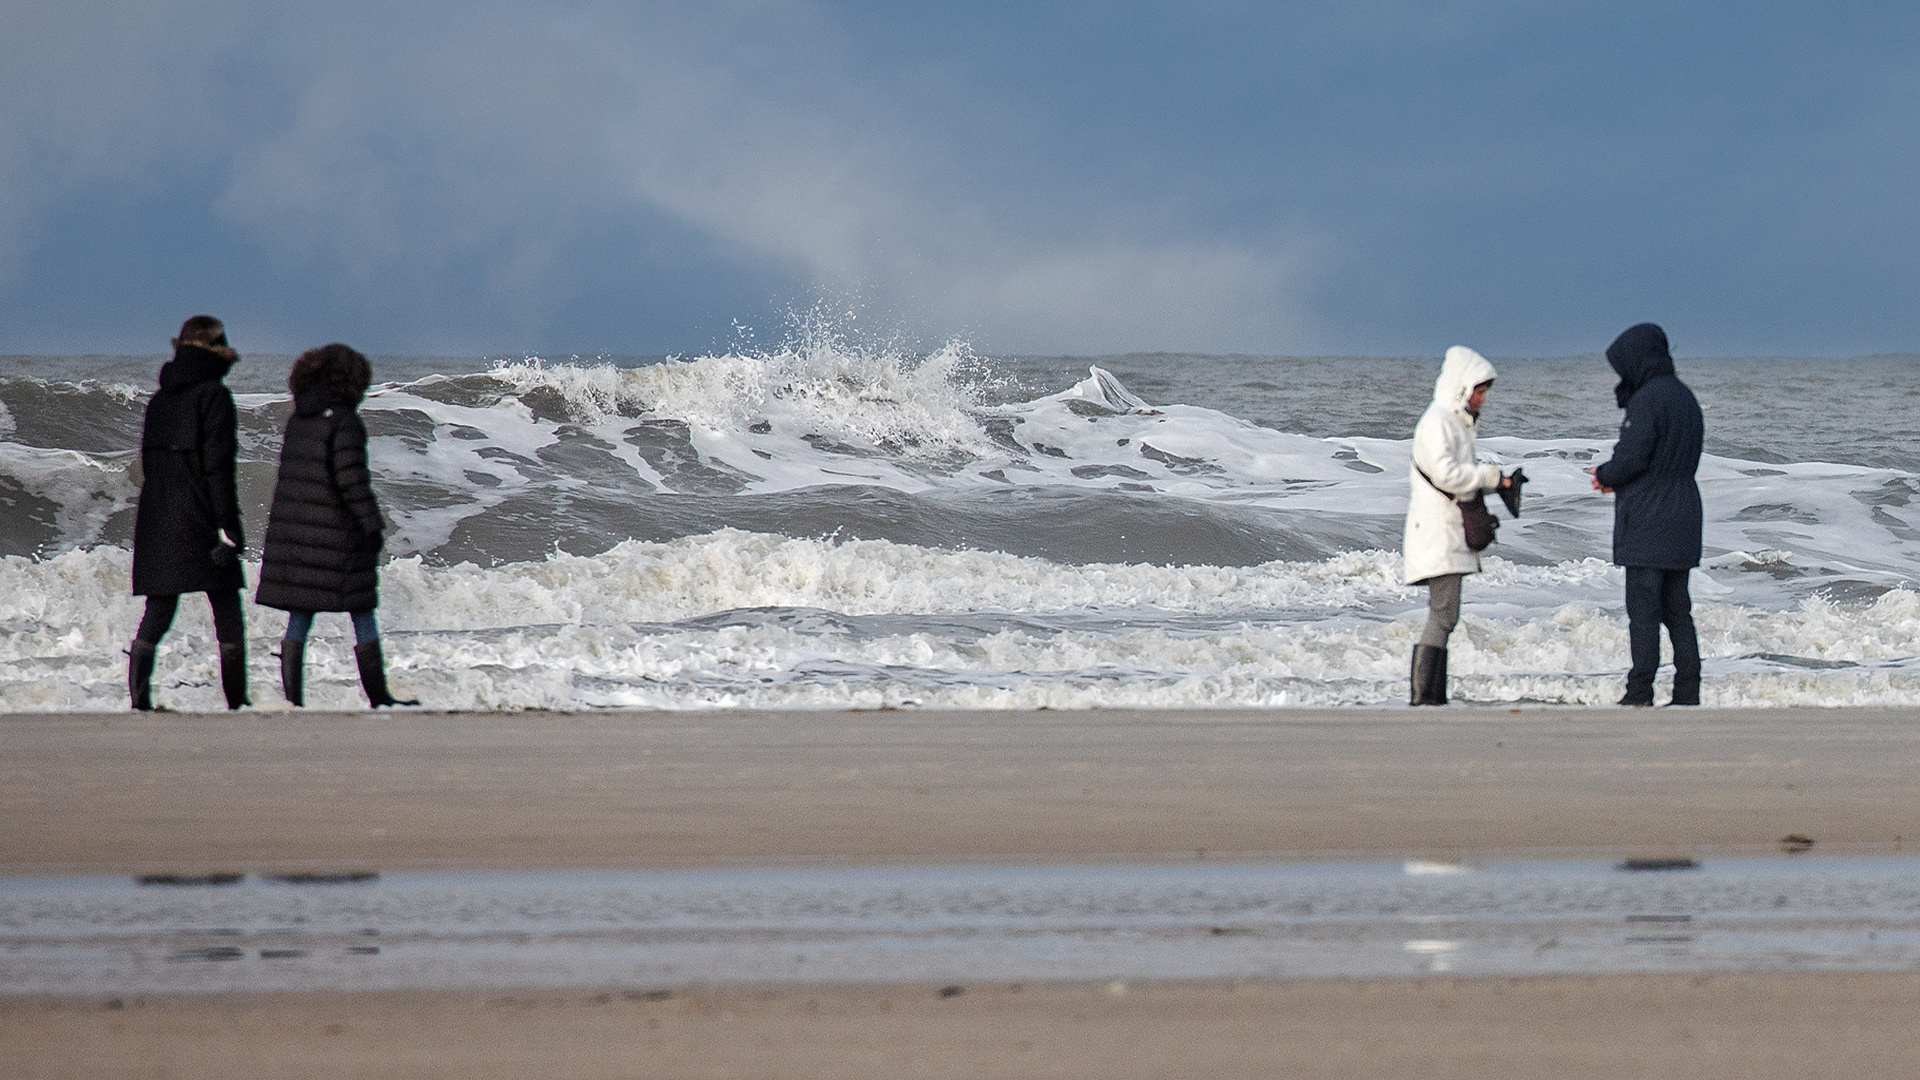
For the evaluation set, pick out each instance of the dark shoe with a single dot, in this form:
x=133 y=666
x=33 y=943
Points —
x=233 y=673
x=293 y=671
x=373 y=675
x=140 y=674
x=1429 y=676
x=1633 y=702
x=1685 y=696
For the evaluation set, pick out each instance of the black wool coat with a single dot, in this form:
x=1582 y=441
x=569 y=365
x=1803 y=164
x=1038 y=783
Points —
x=1657 y=516
x=187 y=447
x=324 y=531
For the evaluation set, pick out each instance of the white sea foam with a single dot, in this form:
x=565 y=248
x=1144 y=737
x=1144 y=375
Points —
x=746 y=620
x=799 y=421
x=1807 y=595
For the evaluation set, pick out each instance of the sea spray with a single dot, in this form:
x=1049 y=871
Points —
x=751 y=620
x=830 y=524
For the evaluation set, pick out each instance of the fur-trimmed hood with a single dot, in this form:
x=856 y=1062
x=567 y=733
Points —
x=196 y=363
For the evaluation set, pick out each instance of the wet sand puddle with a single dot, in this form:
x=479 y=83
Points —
x=506 y=930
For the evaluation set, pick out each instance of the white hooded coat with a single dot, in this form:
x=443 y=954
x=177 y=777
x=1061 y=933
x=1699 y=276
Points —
x=1443 y=446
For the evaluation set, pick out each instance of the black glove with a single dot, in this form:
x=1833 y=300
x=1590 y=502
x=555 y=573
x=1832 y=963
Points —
x=1510 y=492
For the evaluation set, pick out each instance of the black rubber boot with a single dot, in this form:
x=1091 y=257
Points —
x=293 y=671
x=373 y=675
x=233 y=673
x=140 y=674
x=1429 y=676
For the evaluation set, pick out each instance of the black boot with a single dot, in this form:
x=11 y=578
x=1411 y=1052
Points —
x=373 y=675
x=1429 y=676
x=140 y=674
x=233 y=673
x=293 y=671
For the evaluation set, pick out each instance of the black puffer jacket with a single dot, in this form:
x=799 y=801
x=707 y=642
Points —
x=1657 y=515
x=323 y=534
x=187 y=448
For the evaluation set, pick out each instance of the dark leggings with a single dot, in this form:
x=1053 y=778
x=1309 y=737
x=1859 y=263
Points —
x=227 y=624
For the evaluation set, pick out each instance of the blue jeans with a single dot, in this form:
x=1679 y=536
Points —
x=1657 y=598
x=366 y=630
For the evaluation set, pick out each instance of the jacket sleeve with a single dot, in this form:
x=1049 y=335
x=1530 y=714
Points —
x=219 y=446
x=347 y=464
x=1633 y=454
x=1451 y=468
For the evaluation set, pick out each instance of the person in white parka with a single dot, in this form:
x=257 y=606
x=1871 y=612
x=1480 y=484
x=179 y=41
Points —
x=1435 y=544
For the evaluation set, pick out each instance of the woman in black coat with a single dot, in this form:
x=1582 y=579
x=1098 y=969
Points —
x=187 y=536
x=324 y=531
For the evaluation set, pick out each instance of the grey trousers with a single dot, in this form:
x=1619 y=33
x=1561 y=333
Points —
x=1443 y=609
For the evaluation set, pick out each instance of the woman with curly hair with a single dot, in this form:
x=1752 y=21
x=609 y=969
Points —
x=324 y=533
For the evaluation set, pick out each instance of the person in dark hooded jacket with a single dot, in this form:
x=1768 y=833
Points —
x=1656 y=511
x=324 y=532
x=186 y=534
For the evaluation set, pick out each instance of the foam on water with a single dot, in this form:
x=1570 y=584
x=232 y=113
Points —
x=752 y=620
x=823 y=525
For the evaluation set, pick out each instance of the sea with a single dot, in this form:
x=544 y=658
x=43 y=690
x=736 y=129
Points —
x=840 y=523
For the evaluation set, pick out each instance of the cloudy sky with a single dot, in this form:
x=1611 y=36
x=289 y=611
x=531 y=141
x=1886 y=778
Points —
x=590 y=176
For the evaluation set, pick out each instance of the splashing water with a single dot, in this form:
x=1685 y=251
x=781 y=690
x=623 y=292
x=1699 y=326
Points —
x=826 y=524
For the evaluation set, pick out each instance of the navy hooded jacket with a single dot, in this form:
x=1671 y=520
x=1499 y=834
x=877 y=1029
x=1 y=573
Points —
x=1656 y=506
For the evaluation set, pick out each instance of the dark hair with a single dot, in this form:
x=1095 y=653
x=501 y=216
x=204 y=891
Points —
x=202 y=330
x=338 y=366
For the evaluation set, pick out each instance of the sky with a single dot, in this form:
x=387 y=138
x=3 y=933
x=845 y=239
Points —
x=505 y=177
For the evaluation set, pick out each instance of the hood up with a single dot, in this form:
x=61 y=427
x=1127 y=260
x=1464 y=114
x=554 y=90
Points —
x=1638 y=355
x=1460 y=372
x=194 y=364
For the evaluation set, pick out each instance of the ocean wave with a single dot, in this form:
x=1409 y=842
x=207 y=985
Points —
x=830 y=525
x=750 y=620
x=822 y=438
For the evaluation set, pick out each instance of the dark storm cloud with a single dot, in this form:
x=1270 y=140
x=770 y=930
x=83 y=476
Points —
x=598 y=176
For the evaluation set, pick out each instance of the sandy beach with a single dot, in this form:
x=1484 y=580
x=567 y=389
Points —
x=263 y=790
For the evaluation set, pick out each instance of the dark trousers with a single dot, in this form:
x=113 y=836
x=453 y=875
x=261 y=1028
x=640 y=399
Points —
x=227 y=625
x=1657 y=598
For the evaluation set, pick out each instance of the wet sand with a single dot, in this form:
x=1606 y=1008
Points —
x=119 y=793
x=1606 y=1028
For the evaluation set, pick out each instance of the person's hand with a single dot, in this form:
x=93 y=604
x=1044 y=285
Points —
x=1597 y=485
x=1506 y=482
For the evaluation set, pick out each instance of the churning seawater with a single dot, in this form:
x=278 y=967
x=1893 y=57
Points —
x=827 y=524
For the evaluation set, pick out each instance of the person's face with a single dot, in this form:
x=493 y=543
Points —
x=1478 y=397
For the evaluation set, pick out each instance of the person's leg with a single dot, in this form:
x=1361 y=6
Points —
x=1643 y=632
x=1443 y=609
x=153 y=626
x=156 y=620
x=372 y=662
x=1428 y=678
x=1676 y=612
x=230 y=630
x=293 y=657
